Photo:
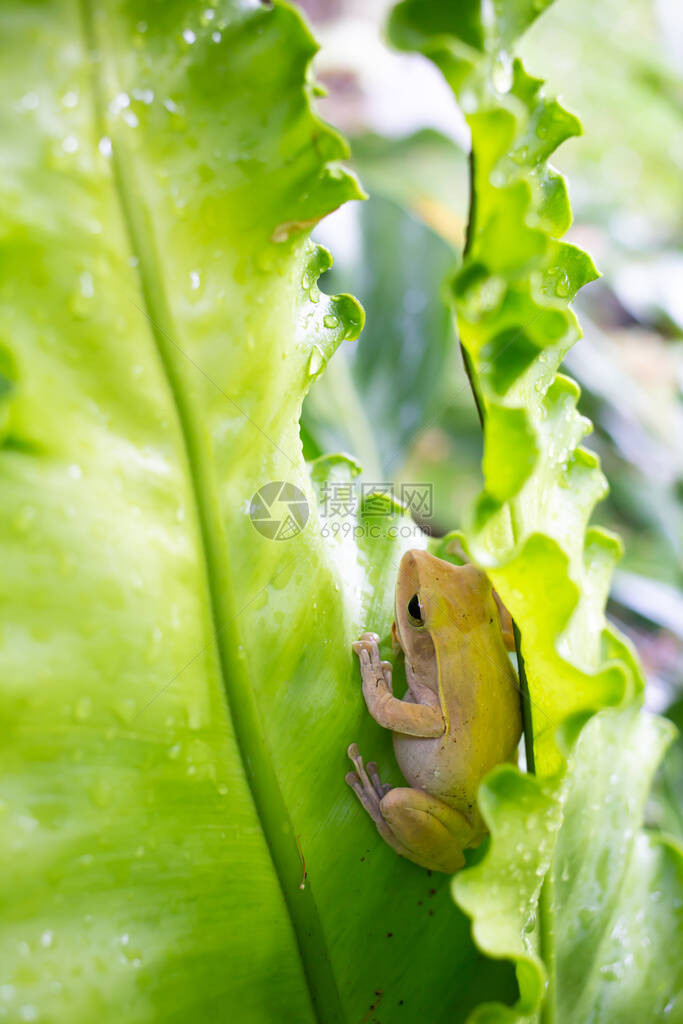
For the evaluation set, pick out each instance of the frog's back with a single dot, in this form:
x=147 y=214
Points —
x=480 y=699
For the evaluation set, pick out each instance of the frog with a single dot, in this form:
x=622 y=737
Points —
x=460 y=717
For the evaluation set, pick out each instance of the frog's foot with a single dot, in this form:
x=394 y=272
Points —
x=370 y=790
x=366 y=642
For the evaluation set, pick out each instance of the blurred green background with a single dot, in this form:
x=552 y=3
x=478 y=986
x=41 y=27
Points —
x=399 y=401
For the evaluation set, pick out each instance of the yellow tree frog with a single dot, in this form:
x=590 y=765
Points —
x=460 y=716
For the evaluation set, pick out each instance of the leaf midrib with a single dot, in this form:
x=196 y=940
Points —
x=251 y=742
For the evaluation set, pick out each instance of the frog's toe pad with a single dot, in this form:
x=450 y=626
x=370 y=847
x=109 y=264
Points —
x=366 y=642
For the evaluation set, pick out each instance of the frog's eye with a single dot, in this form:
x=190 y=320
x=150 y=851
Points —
x=415 y=613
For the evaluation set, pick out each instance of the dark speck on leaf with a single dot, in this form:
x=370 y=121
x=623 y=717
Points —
x=419 y=903
x=432 y=892
x=390 y=935
x=431 y=913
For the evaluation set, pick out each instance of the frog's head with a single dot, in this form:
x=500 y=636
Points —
x=435 y=602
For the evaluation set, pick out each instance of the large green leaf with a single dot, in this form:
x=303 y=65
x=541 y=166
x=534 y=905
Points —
x=530 y=531
x=178 y=690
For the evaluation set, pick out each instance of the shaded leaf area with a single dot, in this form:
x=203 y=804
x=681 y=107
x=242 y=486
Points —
x=530 y=526
x=665 y=810
x=179 y=690
x=625 y=166
x=425 y=172
x=376 y=398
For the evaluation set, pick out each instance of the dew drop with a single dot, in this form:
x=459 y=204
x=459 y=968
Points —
x=87 y=286
x=125 y=709
x=316 y=361
x=83 y=709
x=530 y=923
x=502 y=73
x=612 y=972
x=331 y=321
x=194 y=717
x=562 y=285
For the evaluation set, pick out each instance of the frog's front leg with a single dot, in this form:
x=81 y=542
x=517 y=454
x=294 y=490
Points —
x=418 y=826
x=412 y=719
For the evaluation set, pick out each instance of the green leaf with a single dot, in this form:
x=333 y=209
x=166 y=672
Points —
x=610 y=915
x=178 y=690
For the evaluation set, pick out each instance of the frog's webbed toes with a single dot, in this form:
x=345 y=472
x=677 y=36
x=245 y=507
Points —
x=365 y=782
x=361 y=784
x=381 y=788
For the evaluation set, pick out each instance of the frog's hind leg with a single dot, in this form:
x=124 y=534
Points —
x=370 y=790
x=418 y=826
x=433 y=833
